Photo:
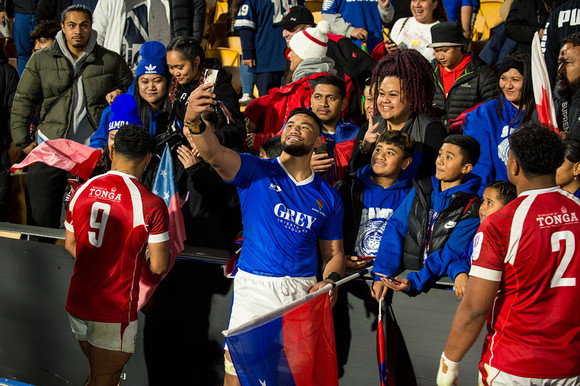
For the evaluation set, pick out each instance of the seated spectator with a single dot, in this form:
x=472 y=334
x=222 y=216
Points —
x=559 y=26
x=492 y=122
x=328 y=101
x=361 y=21
x=568 y=175
x=567 y=95
x=462 y=80
x=434 y=224
x=369 y=199
x=44 y=33
x=308 y=63
x=187 y=64
x=151 y=80
x=403 y=101
x=272 y=148
x=497 y=195
x=413 y=32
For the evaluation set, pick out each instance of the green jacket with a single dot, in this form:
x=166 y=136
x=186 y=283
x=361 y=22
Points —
x=49 y=73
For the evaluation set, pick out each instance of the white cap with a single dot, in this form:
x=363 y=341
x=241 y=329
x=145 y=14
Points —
x=311 y=42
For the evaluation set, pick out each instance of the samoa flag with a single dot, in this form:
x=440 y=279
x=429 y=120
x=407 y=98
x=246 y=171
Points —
x=294 y=346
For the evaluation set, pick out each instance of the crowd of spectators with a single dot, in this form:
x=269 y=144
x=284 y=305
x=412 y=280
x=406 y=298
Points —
x=410 y=141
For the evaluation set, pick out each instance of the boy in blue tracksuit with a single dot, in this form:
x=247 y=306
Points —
x=435 y=223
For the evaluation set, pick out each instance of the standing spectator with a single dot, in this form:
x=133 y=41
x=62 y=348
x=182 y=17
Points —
x=44 y=34
x=525 y=267
x=568 y=174
x=361 y=21
x=413 y=32
x=8 y=83
x=262 y=44
x=493 y=122
x=72 y=81
x=560 y=24
x=462 y=80
x=567 y=95
x=460 y=11
x=111 y=240
x=24 y=23
x=526 y=18
x=402 y=88
x=328 y=101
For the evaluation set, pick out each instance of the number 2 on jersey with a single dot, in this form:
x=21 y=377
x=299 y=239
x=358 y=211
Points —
x=557 y=279
x=96 y=237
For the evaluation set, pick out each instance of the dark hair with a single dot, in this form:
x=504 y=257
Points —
x=573 y=39
x=572 y=152
x=302 y=110
x=145 y=110
x=522 y=60
x=439 y=13
x=133 y=142
x=273 y=147
x=332 y=80
x=506 y=191
x=416 y=77
x=468 y=147
x=76 y=8
x=45 y=29
x=538 y=150
x=189 y=49
x=401 y=140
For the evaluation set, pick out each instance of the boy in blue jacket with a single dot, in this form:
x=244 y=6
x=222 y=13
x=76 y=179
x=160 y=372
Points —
x=435 y=223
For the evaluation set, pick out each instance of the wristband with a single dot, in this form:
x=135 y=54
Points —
x=361 y=148
x=334 y=276
x=195 y=127
x=448 y=371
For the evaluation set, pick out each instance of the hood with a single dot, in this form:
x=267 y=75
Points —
x=88 y=49
x=365 y=175
x=440 y=200
x=311 y=66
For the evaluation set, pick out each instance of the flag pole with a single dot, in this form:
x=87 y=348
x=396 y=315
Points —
x=274 y=314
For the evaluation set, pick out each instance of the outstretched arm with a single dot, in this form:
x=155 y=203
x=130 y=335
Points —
x=225 y=161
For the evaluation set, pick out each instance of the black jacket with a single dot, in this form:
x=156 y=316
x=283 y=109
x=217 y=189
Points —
x=568 y=114
x=51 y=9
x=525 y=18
x=477 y=83
x=462 y=206
x=351 y=189
x=20 y=6
x=428 y=133
x=9 y=82
x=187 y=18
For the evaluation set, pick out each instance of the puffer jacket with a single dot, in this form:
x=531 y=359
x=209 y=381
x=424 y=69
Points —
x=187 y=18
x=477 y=83
x=49 y=73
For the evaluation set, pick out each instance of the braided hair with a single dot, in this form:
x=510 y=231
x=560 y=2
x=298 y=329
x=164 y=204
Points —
x=415 y=74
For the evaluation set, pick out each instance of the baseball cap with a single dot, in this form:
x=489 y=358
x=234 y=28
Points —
x=295 y=16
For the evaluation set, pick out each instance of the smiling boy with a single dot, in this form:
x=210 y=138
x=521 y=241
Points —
x=434 y=224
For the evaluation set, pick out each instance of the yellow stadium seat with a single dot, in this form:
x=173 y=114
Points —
x=314 y=5
x=487 y=18
x=235 y=43
x=317 y=17
x=227 y=57
x=221 y=7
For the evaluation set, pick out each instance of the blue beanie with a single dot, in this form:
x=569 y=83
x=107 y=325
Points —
x=153 y=59
x=125 y=112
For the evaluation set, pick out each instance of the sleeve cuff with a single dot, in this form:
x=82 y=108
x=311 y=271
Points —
x=69 y=227
x=485 y=273
x=158 y=238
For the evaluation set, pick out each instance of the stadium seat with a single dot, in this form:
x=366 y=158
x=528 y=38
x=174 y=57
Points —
x=227 y=56
x=314 y=5
x=317 y=16
x=236 y=78
x=488 y=17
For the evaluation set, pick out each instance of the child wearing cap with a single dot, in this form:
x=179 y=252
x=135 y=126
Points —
x=149 y=90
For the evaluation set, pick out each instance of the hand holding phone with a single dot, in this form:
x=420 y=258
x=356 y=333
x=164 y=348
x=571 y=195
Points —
x=210 y=76
x=389 y=278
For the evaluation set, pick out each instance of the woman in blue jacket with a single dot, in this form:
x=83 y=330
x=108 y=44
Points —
x=150 y=89
x=493 y=122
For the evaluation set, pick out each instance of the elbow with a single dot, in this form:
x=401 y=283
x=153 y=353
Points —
x=159 y=268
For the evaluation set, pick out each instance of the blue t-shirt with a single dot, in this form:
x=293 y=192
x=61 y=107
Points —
x=284 y=219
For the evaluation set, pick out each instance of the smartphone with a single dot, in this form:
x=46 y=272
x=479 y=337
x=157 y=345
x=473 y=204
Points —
x=366 y=257
x=389 y=278
x=210 y=76
x=323 y=149
x=388 y=36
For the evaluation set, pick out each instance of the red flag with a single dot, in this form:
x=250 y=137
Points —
x=63 y=154
x=541 y=85
x=382 y=349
